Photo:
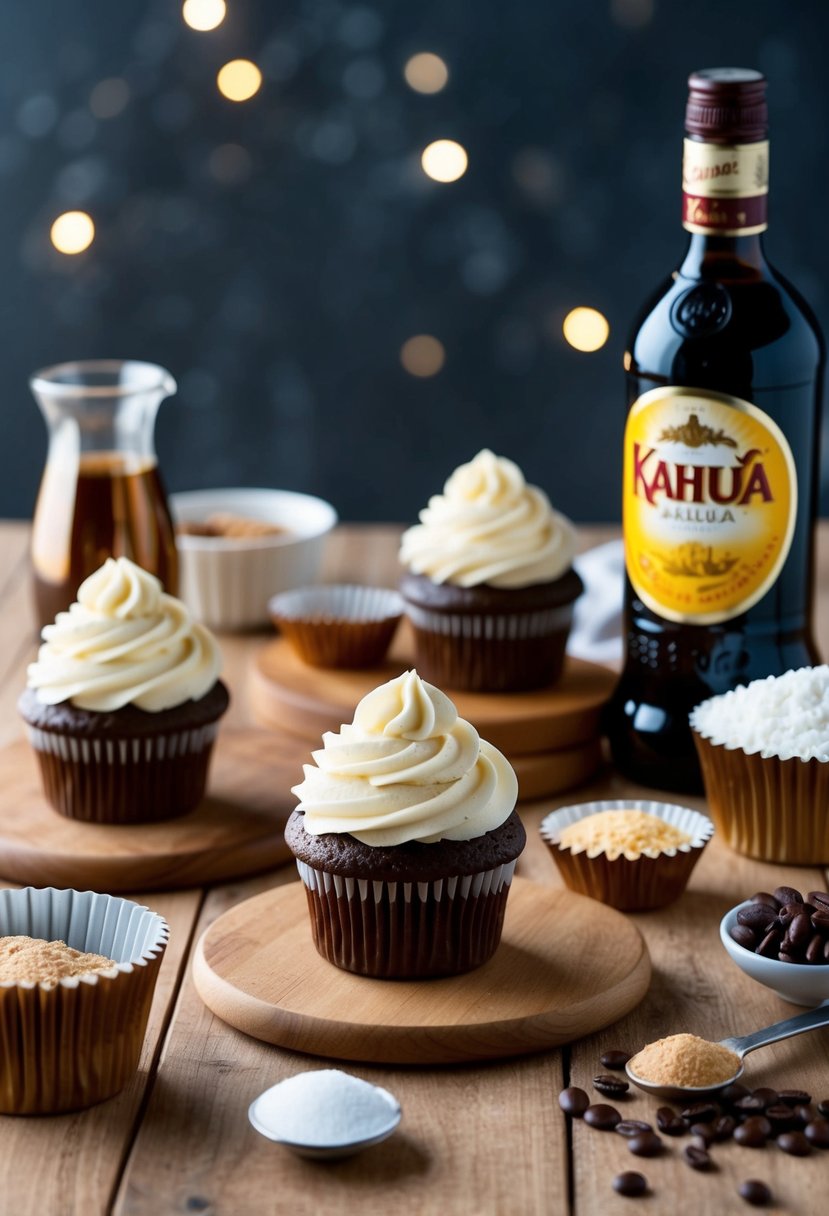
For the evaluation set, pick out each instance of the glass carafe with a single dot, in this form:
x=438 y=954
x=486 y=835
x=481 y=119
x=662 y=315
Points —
x=101 y=495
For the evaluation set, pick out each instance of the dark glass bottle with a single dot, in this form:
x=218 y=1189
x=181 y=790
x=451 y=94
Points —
x=724 y=376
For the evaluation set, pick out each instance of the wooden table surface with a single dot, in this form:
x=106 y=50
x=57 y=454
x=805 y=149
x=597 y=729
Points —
x=474 y=1140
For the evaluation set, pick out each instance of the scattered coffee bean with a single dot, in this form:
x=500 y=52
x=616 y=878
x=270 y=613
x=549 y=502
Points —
x=794 y=1143
x=787 y=895
x=734 y=1092
x=794 y=1097
x=754 y=1192
x=769 y=1097
x=763 y=897
x=611 y=1087
x=724 y=1128
x=698 y=1158
x=781 y=1117
x=754 y=1132
x=704 y=1132
x=573 y=1101
x=615 y=1060
x=669 y=1122
x=817 y=1133
x=805 y=1113
x=630 y=1183
x=701 y=1112
x=646 y=1144
x=819 y=899
x=749 y=1105
x=823 y=1107
x=604 y=1118
x=632 y=1127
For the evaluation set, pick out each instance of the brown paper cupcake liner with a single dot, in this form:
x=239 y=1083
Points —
x=70 y=1046
x=407 y=930
x=127 y=780
x=490 y=652
x=338 y=625
x=767 y=808
x=631 y=885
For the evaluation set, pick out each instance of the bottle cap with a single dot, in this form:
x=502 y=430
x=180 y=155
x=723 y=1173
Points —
x=727 y=105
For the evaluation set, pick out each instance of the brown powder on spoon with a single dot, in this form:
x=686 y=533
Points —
x=685 y=1060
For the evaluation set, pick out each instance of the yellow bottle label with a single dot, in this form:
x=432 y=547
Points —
x=708 y=506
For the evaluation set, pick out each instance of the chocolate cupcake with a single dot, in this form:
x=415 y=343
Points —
x=406 y=838
x=123 y=704
x=489 y=587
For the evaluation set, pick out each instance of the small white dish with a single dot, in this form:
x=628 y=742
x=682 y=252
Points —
x=269 y=1124
x=799 y=983
x=226 y=582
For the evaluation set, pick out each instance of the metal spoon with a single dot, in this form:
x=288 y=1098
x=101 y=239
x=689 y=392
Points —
x=741 y=1045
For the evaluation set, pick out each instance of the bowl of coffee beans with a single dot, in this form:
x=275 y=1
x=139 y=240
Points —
x=781 y=939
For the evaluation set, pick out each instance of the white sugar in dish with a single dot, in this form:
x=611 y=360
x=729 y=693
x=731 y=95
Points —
x=325 y=1109
x=784 y=716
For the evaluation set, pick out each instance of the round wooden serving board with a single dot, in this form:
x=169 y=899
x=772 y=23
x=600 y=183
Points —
x=236 y=831
x=566 y=966
x=290 y=695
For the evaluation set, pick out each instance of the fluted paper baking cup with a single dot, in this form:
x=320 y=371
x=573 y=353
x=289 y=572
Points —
x=124 y=780
x=765 y=807
x=67 y=1046
x=490 y=652
x=338 y=625
x=631 y=885
x=407 y=930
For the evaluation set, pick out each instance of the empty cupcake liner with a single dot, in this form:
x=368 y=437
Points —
x=124 y=780
x=630 y=885
x=407 y=930
x=66 y=1047
x=339 y=625
x=765 y=807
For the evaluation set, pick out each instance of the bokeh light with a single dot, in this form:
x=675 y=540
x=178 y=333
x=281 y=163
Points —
x=444 y=160
x=422 y=355
x=586 y=329
x=203 y=14
x=109 y=97
x=239 y=80
x=72 y=232
x=426 y=73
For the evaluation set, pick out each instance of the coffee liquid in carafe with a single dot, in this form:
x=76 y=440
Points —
x=105 y=504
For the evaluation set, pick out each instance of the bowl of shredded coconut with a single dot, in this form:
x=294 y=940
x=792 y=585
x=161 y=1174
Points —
x=764 y=753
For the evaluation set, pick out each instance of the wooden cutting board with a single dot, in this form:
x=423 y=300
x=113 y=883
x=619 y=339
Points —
x=236 y=831
x=289 y=695
x=566 y=966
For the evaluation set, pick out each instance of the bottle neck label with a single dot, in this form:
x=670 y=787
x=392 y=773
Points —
x=709 y=503
x=725 y=188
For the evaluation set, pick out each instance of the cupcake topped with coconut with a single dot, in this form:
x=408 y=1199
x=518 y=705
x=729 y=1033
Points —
x=785 y=716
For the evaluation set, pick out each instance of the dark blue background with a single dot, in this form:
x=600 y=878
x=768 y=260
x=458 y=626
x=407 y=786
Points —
x=278 y=280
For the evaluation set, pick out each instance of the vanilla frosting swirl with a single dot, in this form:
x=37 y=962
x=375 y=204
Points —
x=489 y=526
x=124 y=642
x=408 y=768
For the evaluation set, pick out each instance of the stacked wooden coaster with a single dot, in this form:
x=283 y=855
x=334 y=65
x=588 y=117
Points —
x=550 y=736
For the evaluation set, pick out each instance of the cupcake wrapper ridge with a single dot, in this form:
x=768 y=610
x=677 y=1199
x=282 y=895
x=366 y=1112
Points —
x=767 y=808
x=131 y=780
x=407 y=930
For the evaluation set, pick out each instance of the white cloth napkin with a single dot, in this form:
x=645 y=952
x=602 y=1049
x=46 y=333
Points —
x=597 y=622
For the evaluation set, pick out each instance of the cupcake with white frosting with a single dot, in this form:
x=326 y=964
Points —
x=123 y=703
x=490 y=587
x=406 y=837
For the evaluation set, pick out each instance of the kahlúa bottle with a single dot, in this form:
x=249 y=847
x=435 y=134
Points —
x=720 y=452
